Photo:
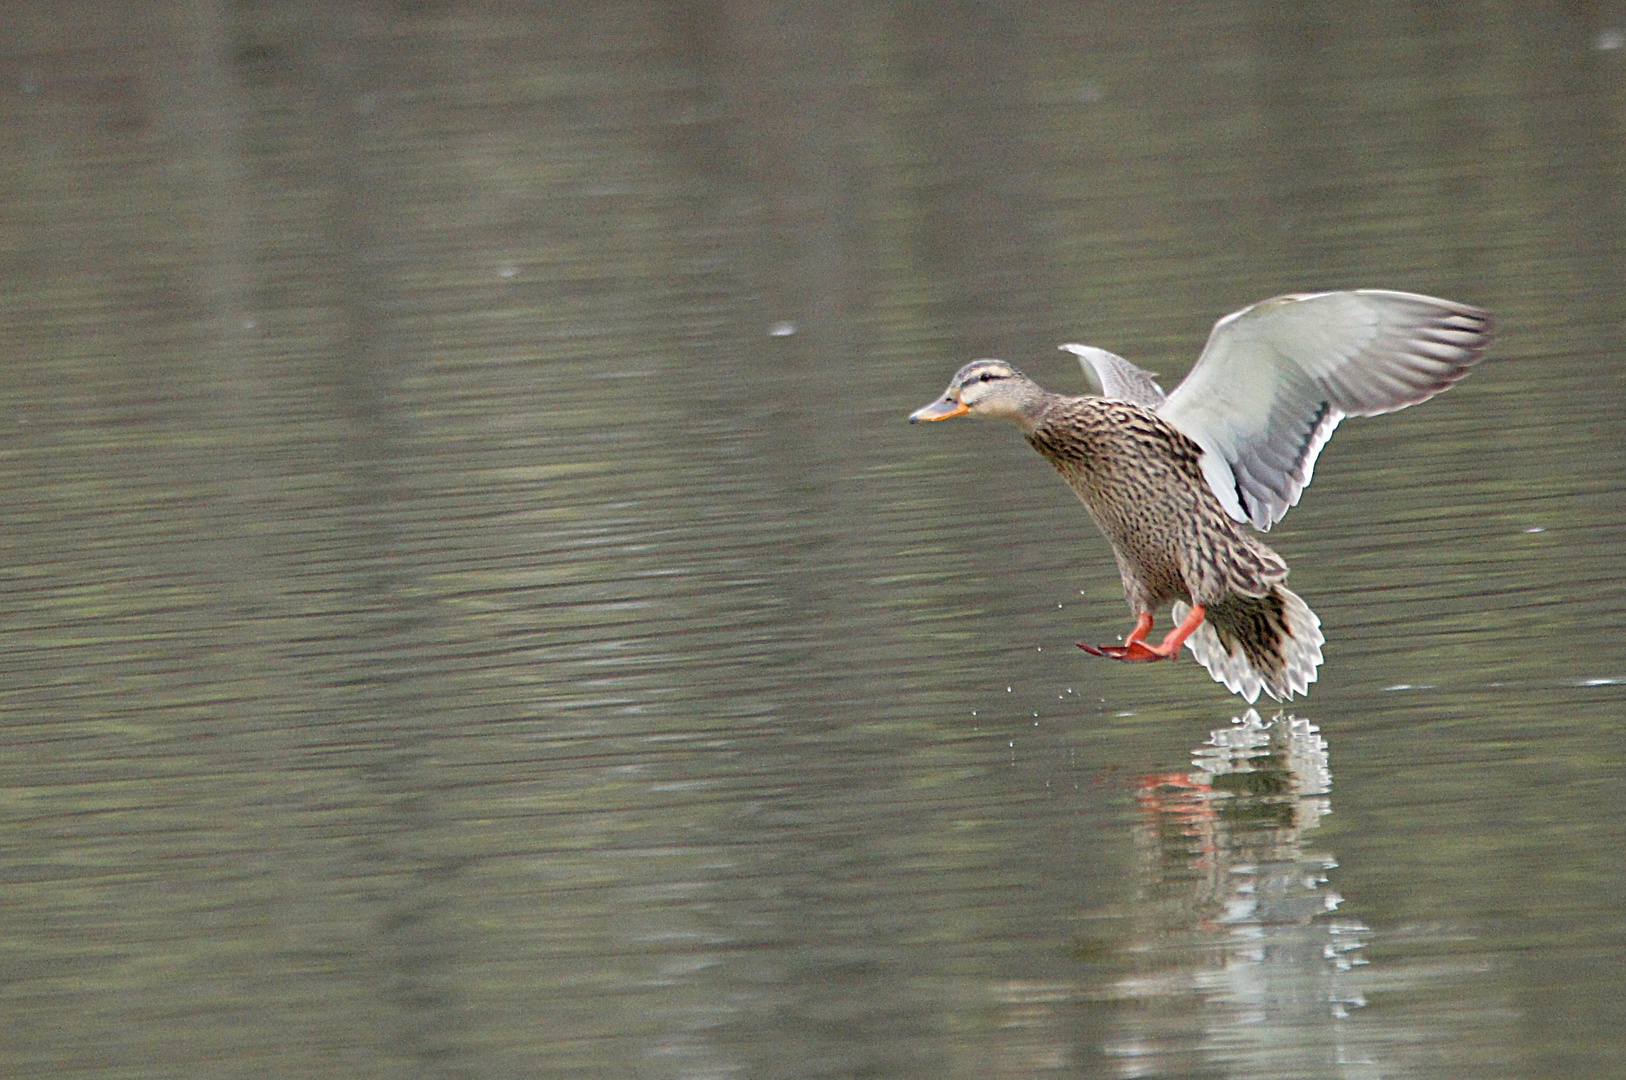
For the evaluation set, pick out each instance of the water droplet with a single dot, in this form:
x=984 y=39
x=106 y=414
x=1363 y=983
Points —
x=782 y=329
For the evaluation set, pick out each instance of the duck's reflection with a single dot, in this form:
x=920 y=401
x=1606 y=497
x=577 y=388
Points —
x=1241 y=963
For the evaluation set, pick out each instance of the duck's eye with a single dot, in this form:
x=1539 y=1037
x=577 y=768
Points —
x=987 y=376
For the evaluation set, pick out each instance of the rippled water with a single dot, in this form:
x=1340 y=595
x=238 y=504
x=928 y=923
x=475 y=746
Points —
x=473 y=606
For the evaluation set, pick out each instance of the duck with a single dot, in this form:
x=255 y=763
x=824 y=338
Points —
x=1181 y=483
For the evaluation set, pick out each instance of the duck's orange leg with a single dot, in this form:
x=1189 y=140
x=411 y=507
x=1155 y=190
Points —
x=1135 y=647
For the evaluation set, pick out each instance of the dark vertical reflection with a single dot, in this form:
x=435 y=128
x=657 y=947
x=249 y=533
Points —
x=985 y=241
x=783 y=175
x=1305 y=152
x=375 y=705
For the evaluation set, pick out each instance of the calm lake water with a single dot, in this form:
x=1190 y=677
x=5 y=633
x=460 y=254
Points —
x=473 y=606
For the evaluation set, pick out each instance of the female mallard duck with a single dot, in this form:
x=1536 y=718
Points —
x=1169 y=479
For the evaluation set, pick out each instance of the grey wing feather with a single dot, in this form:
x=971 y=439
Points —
x=1116 y=377
x=1276 y=378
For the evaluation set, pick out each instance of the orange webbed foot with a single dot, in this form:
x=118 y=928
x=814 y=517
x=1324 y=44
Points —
x=1135 y=650
x=1131 y=652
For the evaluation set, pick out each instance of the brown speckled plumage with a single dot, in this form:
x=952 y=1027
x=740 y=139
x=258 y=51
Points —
x=1142 y=483
x=1140 y=480
x=1172 y=479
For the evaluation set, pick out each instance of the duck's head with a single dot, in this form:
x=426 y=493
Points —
x=987 y=388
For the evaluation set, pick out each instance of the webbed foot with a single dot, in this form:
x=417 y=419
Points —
x=1135 y=650
x=1132 y=652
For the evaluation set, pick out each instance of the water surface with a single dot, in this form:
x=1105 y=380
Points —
x=474 y=608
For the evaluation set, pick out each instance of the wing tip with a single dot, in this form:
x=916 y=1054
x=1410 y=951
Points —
x=1114 y=377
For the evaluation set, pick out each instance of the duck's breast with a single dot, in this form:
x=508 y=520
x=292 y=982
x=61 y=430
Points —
x=1139 y=478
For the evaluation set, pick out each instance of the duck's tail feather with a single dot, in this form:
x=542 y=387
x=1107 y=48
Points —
x=1253 y=643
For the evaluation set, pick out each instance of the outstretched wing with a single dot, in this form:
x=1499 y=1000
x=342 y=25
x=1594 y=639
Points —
x=1275 y=379
x=1116 y=377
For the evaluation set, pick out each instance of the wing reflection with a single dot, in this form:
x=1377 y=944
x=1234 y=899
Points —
x=1241 y=964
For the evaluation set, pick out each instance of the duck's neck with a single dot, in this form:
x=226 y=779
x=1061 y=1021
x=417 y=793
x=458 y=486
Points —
x=1026 y=406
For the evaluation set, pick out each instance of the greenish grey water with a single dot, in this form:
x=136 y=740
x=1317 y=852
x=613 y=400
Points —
x=450 y=632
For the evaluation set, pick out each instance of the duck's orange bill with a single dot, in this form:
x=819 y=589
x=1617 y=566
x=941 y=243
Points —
x=941 y=409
